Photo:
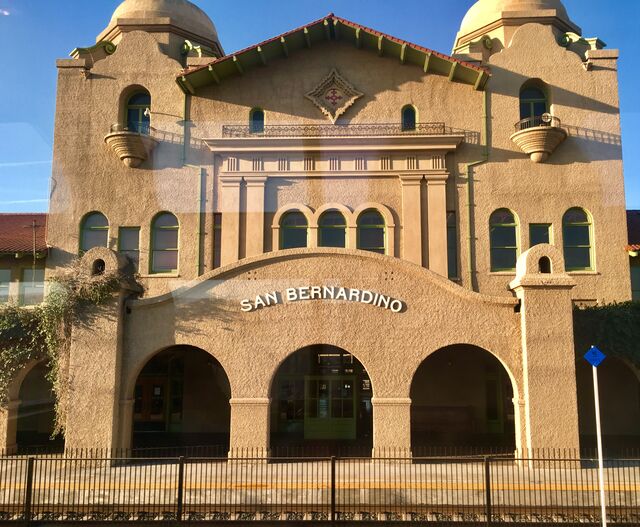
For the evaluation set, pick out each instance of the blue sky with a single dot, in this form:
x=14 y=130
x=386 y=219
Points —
x=34 y=33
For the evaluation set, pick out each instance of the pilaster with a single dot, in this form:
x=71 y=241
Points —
x=391 y=427
x=249 y=427
x=230 y=208
x=411 y=218
x=437 y=222
x=255 y=215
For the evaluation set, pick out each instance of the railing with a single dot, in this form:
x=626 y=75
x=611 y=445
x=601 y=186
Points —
x=337 y=130
x=472 y=490
x=141 y=127
x=539 y=121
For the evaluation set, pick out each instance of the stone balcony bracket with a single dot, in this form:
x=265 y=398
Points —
x=538 y=137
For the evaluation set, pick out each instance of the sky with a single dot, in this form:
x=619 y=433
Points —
x=34 y=33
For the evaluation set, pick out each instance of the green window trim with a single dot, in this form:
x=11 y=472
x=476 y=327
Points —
x=256 y=121
x=137 y=116
x=332 y=229
x=635 y=281
x=540 y=233
x=503 y=222
x=292 y=222
x=452 y=246
x=533 y=102
x=170 y=251
x=128 y=249
x=581 y=225
x=94 y=227
x=408 y=118
x=5 y=285
x=365 y=223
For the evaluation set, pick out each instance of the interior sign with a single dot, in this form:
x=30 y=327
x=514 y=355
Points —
x=316 y=292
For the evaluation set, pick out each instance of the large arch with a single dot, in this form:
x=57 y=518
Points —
x=619 y=390
x=462 y=398
x=181 y=401
x=321 y=404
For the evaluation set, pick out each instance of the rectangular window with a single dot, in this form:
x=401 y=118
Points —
x=635 y=282
x=32 y=287
x=539 y=233
x=217 y=239
x=129 y=244
x=452 y=245
x=5 y=282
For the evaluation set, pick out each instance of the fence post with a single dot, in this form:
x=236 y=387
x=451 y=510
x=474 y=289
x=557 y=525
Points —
x=333 y=489
x=180 y=500
x=487 y=489
x=28 y=493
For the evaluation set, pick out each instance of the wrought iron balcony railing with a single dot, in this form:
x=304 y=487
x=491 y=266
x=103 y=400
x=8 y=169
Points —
x=338 y=130
x=541 y=120
x=138 y=127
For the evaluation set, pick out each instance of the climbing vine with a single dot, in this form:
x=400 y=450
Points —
x=614 y=328
x=43 y=332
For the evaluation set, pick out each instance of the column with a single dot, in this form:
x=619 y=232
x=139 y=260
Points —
x=411 y=218
x=249 y=427
x=548 y=389
x=437 y=223
x=391 y=427
x=255 y=215
x=230 y=209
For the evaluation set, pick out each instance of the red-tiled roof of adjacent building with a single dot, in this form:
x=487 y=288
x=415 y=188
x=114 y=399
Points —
x=19 y=233
x=633 y=228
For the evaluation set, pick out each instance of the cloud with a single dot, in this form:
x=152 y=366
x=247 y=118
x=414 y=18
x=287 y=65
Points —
x=24 y=163
x=23 y=201
x=4 y=12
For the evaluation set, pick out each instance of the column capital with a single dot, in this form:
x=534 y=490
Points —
x=255 y=181
x=230 y=181
x=411 y=179
x=391 y=401
x=435 y=177
x=249 y=401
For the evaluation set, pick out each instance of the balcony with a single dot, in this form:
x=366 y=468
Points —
x=132 y=143
x=335 y=130
x=538 y=137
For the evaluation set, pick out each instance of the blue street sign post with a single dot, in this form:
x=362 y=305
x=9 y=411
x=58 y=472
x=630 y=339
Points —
x=595 y=357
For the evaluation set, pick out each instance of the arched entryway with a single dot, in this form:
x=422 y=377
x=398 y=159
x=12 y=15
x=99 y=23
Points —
x=36 y=413
x=619 y=390
x=321 y=405
x=181 y=401
x=462 y=401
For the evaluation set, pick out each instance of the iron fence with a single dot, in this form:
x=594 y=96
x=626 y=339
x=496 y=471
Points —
x=538 y=121
x=538 y=488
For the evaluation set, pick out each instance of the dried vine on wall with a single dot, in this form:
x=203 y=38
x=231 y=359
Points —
x=43 y=332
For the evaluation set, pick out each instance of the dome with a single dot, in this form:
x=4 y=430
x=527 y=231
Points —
x=183 y=14
x=484 y=12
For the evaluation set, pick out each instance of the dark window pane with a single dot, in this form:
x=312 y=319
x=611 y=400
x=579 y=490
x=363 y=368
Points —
x=293 y=219
x=503 y=236
x=166 y=220
x=503 y=259
x=332 y=218
x=129 y=239
x=539 y=234
x=525 y=110
x=502 y=216
x=165 y=239
x=577 y=258
x=539 y=108
x=5 y=280
x=257 y=121
x=165 y=261
x=452 y=246
x=576 y=235
x=492 y=399
x=531 y=93
x=140 y=99
x=91 y=239
x=371 y=217
x=575 y=216
x=293 y=238
x=95 y=220
x=370 y=238
x=408 y=119
x=333 y=237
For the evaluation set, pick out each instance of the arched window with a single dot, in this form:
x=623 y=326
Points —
x=533 y=102
x=408 y=118
x=293 y=230
x=372 y=232
x=503 y=228
x=164 y=243
x=576 y=233
x=94 y=231
x=138 y=112
x=256 y=121
x=332 y=230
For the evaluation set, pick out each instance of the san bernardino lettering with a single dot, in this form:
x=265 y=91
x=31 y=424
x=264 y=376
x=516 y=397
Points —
x=316 y=292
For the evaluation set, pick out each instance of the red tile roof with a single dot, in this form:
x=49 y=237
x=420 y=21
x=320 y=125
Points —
x=633 y=228
x=17 y=232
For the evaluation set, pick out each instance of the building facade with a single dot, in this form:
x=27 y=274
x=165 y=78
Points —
x=344 y=238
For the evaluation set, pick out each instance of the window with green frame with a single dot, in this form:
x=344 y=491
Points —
x=408 y=118
x=256 y=121
x=138 y=112
x=452 y=245
x=217 y=239
x=94 y=231
x=372 y=232
x=332 y=229
x=576 y=234
x=539 y=233
x=164 y=243
x=533 y=102
x=5 y=283
x=31 y=287
x=635 y=281
x=503 y=238
x=129 y=244
x=294 y=230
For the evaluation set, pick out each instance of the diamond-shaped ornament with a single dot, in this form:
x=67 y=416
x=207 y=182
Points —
x=334 y=95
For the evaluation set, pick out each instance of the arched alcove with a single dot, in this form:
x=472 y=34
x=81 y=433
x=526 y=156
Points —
x=462 y=398
x=181 y=400
x=321 y=405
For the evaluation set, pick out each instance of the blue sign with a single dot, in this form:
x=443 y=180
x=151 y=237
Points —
x=594 y=356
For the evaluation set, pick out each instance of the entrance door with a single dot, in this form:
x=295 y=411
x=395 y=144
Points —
x=150 y=405
x=330 y=407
